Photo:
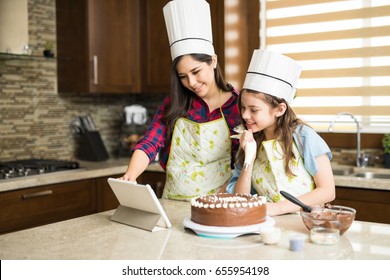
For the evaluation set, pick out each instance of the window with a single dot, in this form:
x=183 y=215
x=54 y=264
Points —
x=344 y=50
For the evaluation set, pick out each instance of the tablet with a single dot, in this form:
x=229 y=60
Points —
x=139 y=206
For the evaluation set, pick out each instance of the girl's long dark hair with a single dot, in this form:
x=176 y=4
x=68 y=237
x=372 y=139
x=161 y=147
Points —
x=285 y=128
x=181 y=97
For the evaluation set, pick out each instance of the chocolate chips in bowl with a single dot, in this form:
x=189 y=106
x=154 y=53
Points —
x=329 y=216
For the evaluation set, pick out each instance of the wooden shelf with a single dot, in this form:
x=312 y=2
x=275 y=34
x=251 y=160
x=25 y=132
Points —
x=11 y=56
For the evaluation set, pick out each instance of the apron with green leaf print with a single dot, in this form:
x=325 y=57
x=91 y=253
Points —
x=199 y=159
x=269 y=177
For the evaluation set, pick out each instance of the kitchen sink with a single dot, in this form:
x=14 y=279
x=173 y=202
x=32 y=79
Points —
x=371 y=175
x=342 y=172
x=351 y=172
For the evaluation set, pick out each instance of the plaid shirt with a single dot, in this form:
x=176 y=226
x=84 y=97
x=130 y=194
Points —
x=155 y=137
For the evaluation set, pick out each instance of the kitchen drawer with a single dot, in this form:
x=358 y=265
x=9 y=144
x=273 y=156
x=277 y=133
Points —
x=106 y=199
x=371 y=205
x=32 y=207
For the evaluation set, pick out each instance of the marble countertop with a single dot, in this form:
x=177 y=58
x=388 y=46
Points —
x=96 y=237
x=353 y=182
x=90 y=170
x=87 y=170
x=360 y=182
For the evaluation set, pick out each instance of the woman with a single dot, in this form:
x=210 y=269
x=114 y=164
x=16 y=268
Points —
x=193 y=125
x=291 y=156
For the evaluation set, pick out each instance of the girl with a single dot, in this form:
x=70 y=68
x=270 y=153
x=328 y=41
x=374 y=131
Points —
x=290 y=155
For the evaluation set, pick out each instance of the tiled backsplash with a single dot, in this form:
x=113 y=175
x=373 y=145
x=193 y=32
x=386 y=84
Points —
x=34 y=118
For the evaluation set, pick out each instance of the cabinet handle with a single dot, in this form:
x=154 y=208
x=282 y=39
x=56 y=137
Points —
x=37 y=194
x=95 y=69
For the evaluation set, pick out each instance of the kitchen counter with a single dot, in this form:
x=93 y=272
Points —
x=96 y=237
x=361 y=182
x=89 y=170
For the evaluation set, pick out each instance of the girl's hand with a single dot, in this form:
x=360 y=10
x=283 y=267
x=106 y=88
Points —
x=248 y=144
x=246 y=136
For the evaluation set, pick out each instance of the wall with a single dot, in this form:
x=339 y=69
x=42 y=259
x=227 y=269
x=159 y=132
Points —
x=13 y=26
x=34 y=118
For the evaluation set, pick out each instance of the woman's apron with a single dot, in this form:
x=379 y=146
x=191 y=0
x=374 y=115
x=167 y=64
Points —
x=199 y=159
x=269 y=177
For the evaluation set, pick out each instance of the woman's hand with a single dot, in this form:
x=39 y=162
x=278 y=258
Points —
x=138 y=163
x=126 y=177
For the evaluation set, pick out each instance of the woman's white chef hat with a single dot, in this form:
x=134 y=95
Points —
x=273 y=73
x=188 y=24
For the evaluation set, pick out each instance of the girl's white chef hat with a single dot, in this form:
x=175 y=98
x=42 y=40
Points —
x=188 y=24
x=273 y=73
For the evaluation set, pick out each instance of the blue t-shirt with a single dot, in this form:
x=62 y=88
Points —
x=310 y=146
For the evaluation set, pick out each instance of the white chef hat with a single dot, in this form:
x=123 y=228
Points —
x=188 y=24
x=272 y=73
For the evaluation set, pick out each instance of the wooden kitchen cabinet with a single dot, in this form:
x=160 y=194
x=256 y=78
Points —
x=371 y=205
x=119 y=46
x=98 y=46
x=155 y=52
x=31 y=207
x=155 y=179
x=156 y=56
x=25 y=208
x=106 y=199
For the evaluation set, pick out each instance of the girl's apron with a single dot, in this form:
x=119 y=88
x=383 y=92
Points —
x=269 y=177
x=199 y=159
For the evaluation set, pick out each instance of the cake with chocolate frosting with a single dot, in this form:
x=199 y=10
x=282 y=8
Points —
x=228 y=210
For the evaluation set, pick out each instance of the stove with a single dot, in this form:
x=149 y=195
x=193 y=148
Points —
x=28 y=167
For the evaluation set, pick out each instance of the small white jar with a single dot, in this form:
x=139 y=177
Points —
x=270 y=235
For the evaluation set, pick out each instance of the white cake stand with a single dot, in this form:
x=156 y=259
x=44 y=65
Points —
x=226 y=232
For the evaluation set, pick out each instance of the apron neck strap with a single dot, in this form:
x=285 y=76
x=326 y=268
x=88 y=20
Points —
x=219 y=103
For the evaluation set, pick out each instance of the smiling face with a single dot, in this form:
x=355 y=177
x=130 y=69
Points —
x=260 y=115
x=197 y=76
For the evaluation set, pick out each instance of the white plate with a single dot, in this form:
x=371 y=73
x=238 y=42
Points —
x=226 y=232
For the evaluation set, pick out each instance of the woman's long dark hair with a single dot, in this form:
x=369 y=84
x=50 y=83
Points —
x=285 y=128
x=181 y=97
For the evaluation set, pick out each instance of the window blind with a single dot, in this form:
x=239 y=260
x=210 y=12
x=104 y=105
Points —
x=344 y=50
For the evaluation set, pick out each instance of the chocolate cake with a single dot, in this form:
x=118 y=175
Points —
x=228 y=210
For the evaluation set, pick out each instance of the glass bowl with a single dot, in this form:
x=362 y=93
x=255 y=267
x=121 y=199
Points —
x=331 y=216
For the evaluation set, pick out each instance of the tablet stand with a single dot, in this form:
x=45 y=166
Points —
x=135 y=217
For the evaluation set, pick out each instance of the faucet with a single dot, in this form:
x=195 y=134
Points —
x=361 y=159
